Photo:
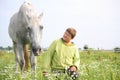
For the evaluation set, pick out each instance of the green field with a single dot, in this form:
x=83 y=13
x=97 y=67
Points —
x=98 y=65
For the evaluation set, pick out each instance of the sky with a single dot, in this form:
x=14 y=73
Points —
x=97 y=21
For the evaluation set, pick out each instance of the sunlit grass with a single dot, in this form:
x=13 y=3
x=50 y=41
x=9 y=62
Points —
x=98 y=65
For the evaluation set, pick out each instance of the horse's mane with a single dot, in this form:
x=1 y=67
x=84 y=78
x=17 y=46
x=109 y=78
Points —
x=27 y=7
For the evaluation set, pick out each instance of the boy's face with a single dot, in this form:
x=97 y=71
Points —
x=67 y=37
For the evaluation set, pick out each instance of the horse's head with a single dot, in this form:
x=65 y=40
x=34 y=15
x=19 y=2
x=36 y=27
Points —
x=34 y=29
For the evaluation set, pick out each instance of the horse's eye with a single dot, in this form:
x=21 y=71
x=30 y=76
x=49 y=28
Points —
x=28 y=29
x=41 y=27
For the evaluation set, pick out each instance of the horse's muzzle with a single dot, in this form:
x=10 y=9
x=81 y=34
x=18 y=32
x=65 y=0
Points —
x=36 y=51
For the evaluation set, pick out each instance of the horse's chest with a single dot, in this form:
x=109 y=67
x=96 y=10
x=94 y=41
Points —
x=23 y=36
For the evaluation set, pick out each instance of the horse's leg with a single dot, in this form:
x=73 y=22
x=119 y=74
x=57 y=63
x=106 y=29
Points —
x=33 y=63
x=26 y=55
x=16 y=58
x=16 y=66
x=20 y=54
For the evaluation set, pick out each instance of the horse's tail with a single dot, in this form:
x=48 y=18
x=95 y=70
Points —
x=26 y=56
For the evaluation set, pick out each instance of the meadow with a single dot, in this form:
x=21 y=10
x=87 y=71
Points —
x=97 y=65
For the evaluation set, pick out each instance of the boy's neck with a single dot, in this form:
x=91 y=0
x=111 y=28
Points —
x=65 y=41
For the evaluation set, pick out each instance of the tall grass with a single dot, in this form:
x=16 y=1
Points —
x=98 y=65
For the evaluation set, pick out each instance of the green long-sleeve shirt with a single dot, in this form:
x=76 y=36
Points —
x=61 y=55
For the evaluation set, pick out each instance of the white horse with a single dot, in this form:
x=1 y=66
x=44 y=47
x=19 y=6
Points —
x=24 y=28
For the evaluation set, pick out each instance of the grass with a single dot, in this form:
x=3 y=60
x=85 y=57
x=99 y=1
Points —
x=98 y=65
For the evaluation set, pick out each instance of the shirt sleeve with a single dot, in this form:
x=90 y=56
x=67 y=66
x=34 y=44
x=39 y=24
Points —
x=76 y=60
x=48 y=56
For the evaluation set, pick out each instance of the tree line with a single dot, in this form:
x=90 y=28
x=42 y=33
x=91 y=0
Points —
x=6 y=48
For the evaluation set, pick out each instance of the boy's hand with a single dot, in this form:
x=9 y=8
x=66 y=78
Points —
x=44 y=73
x=73 y=68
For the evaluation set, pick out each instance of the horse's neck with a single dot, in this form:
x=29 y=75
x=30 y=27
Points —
x=22 y=18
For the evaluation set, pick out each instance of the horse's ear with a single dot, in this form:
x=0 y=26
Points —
x=40 y=15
